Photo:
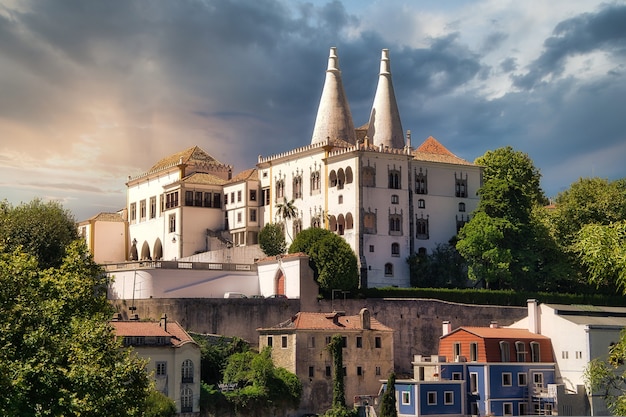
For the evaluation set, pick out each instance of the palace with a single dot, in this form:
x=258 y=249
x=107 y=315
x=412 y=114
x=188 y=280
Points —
x=387 y=199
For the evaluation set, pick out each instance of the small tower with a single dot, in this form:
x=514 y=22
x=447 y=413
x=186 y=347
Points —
x=385 y=128
x=334 y=119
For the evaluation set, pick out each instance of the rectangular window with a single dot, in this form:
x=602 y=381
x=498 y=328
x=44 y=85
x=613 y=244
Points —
x=522 y=379
x=153 y=210
x=284 y=342
x=371 y=248
x=238 y=217
x=327 y=340
x=197 y=201
x=270 y=341
x=359 y=342
x=239 y=196
x=189 y=198
x=217 y=200
x=535 y=352
x=161 y=369
x=252 y=195
x=448 y=397
x=523 y=409
x=327 y=371
x=473 y=382
x=344 y=342
x=506 y=379
x=377 y=342
x=406 y=398
x=253 y=215
x=579 y=354
x=359 y=370
x=172 y=223
x=171 y=200
x=225 y=198
x=378 y=371
x=312 y=341
x=456 y=376
x=311 y=371
x=133 y=212
x=232 y=197
x=507 y=409
x=505 y=352
x=473 y=351
x=162 y=202
x=564 y=354
x=208 y=199
x=457 y=351
x=142 y=210
x=432 y=398
x=265 y=196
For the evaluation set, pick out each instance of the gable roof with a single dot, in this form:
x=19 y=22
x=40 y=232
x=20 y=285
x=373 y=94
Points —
x=190 y=155
x=136 y=328
x=203 y=178
x=433 y=151
x=248 y=174
x=334 y=321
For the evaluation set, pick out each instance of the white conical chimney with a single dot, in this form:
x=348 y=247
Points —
x=334 y=119
x=385 y=127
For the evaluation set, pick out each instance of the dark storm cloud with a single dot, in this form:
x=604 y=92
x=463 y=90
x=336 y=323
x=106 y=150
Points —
x=604 y=30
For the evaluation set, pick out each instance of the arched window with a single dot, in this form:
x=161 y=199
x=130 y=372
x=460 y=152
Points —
x=186 y=400
x=341 y=178
x=341 y=224
x=395 y=249
x=388 y=270
x=505 y=352
x=349 y=175
x=535 y=353
x=520 y=349
x=394 y=179
x=421 y=183
x=315 y=182
x=280 y=189
x=332 y=223
x=462 y=207
x=395 y=224
x=187 y=371
x=297 y=187
x=332 y=178
x=349 y=221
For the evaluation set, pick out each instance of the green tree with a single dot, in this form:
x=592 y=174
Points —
x=514 y=167
x=261 y=387
x=338 y=409
x=58 y=354
x=388 y=400
x=333 y=261
x=499 y=242
x=443 y=268
x=602 y=250
x=159 y=405
x=287 y=211
x=272 y=240
x=41 y=229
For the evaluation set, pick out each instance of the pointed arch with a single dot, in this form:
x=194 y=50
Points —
x=145 y=251
x=158 y=249
x=279 y=282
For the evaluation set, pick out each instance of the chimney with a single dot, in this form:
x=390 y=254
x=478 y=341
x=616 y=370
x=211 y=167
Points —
x=163 y=321
x=493 y=324
x=533 y=316
x=447 y=328
x=117 y=317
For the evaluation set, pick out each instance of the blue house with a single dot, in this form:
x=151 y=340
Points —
x=491 y=371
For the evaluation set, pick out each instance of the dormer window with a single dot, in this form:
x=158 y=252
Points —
x=505 y=353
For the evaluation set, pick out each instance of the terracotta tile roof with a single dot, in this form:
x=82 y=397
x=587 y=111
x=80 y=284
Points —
x=248 y=174
x=432 y=150
x=191 y=155
x=175 y=331
x=500 y=333
x=203 y=178
x=324 y=321
x=108 y=217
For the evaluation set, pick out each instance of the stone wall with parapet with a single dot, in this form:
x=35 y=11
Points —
x=417 y=323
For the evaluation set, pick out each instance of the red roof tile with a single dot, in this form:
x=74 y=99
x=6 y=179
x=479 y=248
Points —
x=432 y=150
x=175 y=331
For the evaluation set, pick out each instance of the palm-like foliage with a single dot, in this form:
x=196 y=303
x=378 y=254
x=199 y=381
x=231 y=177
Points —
x=287 y=210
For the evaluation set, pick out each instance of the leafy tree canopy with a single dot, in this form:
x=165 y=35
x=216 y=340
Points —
x=388 y=400
x=333 y=261
x=41 y=229
x=513 y=167
x=443 y=268
x=272 y=240
x=58 y=355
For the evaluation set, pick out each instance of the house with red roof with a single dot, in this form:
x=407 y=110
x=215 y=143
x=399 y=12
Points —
x=485 y=371
x=173 y=358
x=300 y=346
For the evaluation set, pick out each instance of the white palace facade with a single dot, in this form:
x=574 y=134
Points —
x=367 y=184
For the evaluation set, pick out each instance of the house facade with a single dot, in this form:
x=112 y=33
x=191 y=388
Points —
x=483 y=371
x=300 y=346
x=579 y=333
x=173 y=359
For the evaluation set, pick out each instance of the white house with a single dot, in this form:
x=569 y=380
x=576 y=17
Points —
x=173 y=358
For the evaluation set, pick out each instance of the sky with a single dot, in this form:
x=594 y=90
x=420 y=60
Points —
x=92 y=92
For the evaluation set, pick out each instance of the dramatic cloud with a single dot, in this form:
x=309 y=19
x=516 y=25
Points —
x=95 y=91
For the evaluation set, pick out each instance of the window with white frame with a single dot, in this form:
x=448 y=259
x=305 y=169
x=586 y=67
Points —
x=186 y=400
x=507 y=379
x=432 y=398
x=448 y=397
x=520 y=349
x=473 y=351
x=187 y=371
x=284 y=342
x=535 y=353
x=473 y=382
x=522 y=379
x=395 y=199
x=161 y=369
x=507 y=409
x=406 y=398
